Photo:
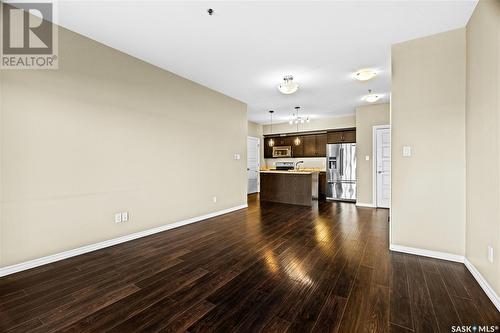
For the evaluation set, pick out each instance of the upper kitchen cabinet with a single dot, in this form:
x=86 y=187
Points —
x=283 y=141
x=350 y=136
x=314 y=145
x=321 y=141
x=278 y=141
x=311 y=145
x=334 y=137
x=346 y=136
x=298 y=150
x=268 y=150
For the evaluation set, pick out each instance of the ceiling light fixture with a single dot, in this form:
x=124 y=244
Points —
x=365 y=74
x=372 y=98
x=288 y=86
x=296 y=141
x=298 y=119
x=271 y=141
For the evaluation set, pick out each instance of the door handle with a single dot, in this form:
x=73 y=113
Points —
x=341 y=162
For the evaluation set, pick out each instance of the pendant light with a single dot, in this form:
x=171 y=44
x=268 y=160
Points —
x=296 y=141
x=296 y=119
x=271 y=141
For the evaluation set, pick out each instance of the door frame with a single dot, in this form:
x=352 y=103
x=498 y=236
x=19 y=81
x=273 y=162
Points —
x=258 y=162
x=374 y=162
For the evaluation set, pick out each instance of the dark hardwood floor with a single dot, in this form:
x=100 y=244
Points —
x=268 y=268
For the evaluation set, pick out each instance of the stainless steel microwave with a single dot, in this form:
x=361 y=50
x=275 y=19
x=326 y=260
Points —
x=282 y=151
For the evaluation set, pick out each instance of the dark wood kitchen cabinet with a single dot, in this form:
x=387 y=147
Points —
x=311 y=145
x=322 y=185
x=348 y=136
x=321 y=141
x=309 y=142
x=283 y=141
x=268 y=150
x=334 y=137
x=298 y=150
x=314 y=145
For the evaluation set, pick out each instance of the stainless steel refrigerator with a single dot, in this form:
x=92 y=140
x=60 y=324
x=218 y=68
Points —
x=341 y=171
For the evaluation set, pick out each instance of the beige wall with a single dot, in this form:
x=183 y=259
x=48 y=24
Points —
x=108 y=133
x=314 y=125
x=1 y=171
x=255 y=130
x=428 y=114
x=483 y=139
x=367 y=117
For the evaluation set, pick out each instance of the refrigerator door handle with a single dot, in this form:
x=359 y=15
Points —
x=341 y=153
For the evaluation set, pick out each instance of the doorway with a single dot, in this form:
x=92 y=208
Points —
x=382 y=166
x=253 y=164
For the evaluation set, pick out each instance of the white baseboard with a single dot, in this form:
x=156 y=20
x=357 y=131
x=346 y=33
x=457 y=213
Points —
x=427 y=253
x=483 y=283
x=492 y=295
x=363 y=204
x=96 y=246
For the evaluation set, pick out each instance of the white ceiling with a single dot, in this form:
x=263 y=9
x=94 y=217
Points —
x=246 y=47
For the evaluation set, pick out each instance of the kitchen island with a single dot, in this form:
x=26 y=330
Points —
x=290 y=187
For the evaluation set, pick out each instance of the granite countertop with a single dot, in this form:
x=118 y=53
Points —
x=293 y=172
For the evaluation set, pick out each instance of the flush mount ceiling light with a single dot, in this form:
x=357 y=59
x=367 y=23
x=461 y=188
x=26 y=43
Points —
x=372 y=98
x=365 y=74
x=288 y=86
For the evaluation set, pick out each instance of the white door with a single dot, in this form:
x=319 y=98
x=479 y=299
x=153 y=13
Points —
x=383 y=167
x=253 y=164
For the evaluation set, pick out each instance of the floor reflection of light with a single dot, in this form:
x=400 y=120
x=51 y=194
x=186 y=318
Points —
x=297 y=273
x=322 y=235
x=322 y=232
x=271 y=261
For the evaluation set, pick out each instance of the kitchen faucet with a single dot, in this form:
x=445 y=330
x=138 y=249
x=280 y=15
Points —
x=297 y=164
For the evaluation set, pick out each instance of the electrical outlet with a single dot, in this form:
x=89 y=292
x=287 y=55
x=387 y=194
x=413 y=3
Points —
x=406 y=151
x=124 y=216
x=490 y=253
x=215 y=199
x=118 y=217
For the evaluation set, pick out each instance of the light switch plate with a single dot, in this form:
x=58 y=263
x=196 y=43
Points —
x=367 y=157
x=406 y=151
x=490 y=253
x=118 y=217
x=237 y=156
x=124 y=216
